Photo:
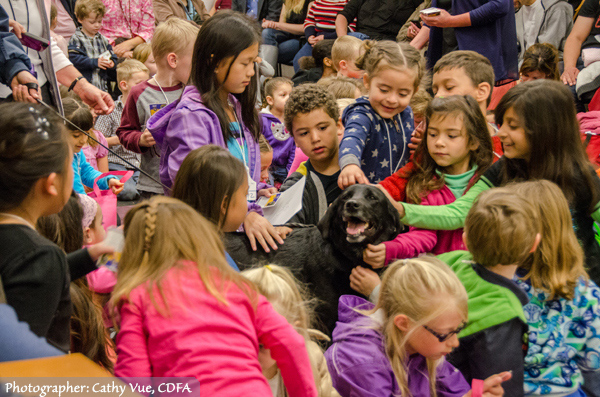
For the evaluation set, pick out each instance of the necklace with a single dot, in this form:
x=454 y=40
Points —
x=161 y=90
x=18 y=218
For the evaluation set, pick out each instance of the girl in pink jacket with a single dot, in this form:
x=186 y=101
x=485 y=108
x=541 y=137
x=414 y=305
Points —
x=185 y=313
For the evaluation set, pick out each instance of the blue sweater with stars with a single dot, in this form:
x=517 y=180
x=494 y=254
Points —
x=377 y=145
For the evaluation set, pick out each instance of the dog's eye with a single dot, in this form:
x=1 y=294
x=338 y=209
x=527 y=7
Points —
x=371 y=197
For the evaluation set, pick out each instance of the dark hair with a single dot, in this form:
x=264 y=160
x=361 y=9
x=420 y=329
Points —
x=542 y=57
x=424 y=179
x=64 y=229
x=322 y=50
x=77 y=113
x=33 y=145
x=225 y=35
x=546 y=112
x=207 y=179
x=304 y=99
x=477 y=67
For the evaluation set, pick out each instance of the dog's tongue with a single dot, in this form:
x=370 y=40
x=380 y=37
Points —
x=355 y=227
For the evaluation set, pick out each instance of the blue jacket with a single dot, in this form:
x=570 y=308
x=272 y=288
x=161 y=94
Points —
x=85 y=174
x=13 y=58
x=377 y=145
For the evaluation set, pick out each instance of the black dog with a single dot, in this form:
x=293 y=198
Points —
x=323 y=257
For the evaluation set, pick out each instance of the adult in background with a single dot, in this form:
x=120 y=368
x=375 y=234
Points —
x=127 y=23
x=260 y=10
x=190 y=10
x=66 y=21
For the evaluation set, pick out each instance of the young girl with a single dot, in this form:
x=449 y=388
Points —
x=563 y=312
x=289 y=298
x=218 y=107
x=84 y=174
x=276 y=93
x=95 y=154
x=266 y=158
x=379 y=127
x=174 y=284
x=398 y=346
x=540 y=134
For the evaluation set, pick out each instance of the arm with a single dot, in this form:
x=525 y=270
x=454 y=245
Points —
x=421 y=39
x=287 y=349
x=80 y=59
x=288 y=27
x=348 y=14
x=89 y=175
x=581 y=30
x=395 y=184
x=488 y=12
x=13 y=57
x=162 y=10
x=99 y=100
x=341 y=25
x=309 y=22
x=102 y=164
x=80 y=263
x=355 y=136
x=410 y=245
x=132 y=345
x=364 y=381
x=130 y=130
x=143 y=28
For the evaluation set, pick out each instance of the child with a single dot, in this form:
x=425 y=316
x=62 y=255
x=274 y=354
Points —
x=84 y=174
x=493 y=338
x=172 y=46
x=398 y=346
x=544 y=144
x=143 y=53
x=378 y=128
x=218 y=107
x=343 y=87
x=95 y=154
x=276 y=92
x=89 y=50
x=455 y=151
x=312 y=117
x=289 y=298
x=129 y=74
x=173 y=278
x=323 y=66
x=266 y=158
x=344 y=53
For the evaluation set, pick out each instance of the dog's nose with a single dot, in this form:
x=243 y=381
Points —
x=351 y=205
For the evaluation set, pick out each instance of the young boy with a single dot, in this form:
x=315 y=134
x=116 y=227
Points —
x=344 y=53
x=493 y=338
x=172 y=47
x=312 y=117
x=89 y=51
x=129 y=74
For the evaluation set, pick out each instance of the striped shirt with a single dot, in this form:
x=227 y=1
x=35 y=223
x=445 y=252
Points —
x=321 y=16
x=107 y=125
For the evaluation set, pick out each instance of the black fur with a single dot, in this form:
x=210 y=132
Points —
x=322 y=257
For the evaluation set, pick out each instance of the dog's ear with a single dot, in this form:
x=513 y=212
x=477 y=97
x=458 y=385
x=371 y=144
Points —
x=328 y=220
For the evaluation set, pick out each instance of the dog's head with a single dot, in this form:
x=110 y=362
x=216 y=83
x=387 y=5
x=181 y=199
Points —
x=361 y=215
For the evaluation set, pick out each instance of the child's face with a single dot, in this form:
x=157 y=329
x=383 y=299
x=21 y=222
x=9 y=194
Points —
x=316 y=134
x=424 y=342
x=241 y=71
x=348 y=68
x=151 y=64
x=91 y=24
x=266 y=159
x=136 y=78
x=513 y=137
x=448 y=82
x=96 y=232
x=535 y=75
x=78 y=141
x=448 y=144
x=237 y=210
x=280 y=97
x=390 y=91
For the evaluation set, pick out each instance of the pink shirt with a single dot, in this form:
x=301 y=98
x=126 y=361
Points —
x=65 y=26
x=92 y=154
x=205 y=339
x=299 y=158
x=128 y=18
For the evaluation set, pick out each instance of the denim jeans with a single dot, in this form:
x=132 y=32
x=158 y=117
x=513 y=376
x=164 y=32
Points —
x=287 y=43
x=129 y=192
x=305 y=51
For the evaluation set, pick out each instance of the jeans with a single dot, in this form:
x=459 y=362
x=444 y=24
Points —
x=358 y=35
x=305 y=51
x=129 y=192
x=287 y=43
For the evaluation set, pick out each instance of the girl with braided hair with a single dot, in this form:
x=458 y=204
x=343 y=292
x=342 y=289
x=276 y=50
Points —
x=185 y=312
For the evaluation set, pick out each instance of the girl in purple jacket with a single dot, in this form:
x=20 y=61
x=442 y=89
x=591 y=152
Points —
x=397 y=347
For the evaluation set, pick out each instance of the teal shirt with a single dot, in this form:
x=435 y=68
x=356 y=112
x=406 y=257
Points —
x=458 y=183
x=234 y=147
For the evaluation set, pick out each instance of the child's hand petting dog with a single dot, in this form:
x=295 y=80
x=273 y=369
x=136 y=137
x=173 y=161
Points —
x=374 y=255
x=260 y=229
x=351 y=175
x=364 y=280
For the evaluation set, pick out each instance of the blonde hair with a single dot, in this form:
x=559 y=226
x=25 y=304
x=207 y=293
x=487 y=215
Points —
x=263 y=145
x=142 y=52
x=127 y=68
x=421 y=289
x=345 y=48
x=558 y=262
x=173 y=35
x=161 y=232
x=501 y=228
x=381 y=55
x=83 y=8
x=343 y=103
x=342 y=87
x=293 y=6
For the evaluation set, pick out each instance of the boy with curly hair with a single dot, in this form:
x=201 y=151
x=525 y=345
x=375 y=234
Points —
x=312 y=117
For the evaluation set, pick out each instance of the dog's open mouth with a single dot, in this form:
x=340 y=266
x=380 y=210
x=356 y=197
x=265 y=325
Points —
x=357 y=228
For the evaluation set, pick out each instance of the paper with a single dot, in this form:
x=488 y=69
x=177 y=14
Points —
x=280 y=207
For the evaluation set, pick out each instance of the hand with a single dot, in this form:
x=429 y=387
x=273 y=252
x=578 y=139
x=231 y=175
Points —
x=363 y=280
x=415 y=140
x=397 y=204
x=16 y=27
x=122 y=49
x=412 y=31
x=146 y=140
x=97 y=250
x=283 y=231
x=351 y=175
x=97 y=99
x=374 y=255
x=267 y=192
x=115 y=185
x=20 y=92
x=259 y=229
x=444 y=20
x=569 y=76
x=266 y=24
x=492 y=386
x=105 y=63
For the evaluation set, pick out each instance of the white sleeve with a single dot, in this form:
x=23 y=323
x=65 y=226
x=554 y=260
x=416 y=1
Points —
x=59 y=59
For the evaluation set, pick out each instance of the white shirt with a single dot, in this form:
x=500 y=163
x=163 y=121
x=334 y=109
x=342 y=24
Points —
x=532 y=15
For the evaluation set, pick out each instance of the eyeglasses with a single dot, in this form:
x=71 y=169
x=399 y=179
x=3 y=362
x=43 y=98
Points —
x=445 y=337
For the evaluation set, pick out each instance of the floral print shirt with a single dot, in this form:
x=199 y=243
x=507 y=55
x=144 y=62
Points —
x=128 y=18
x=564 y=339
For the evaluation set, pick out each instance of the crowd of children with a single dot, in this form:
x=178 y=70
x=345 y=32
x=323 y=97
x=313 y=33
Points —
x=490 y=290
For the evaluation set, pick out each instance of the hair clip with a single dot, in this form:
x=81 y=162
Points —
x=269 y=267
x=41 y=123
